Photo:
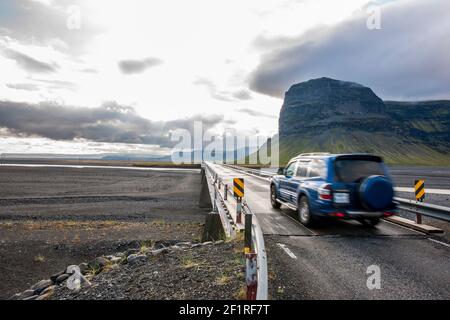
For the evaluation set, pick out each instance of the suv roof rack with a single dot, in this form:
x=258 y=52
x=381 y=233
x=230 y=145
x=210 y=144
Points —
x=313 y=154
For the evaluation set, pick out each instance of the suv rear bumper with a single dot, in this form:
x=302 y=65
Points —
x=354 y=214
x=364 y=214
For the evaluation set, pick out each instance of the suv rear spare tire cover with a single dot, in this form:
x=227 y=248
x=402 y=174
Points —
x=376 y=193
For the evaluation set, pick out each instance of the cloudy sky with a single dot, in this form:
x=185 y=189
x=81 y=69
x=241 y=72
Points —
x=100 y=76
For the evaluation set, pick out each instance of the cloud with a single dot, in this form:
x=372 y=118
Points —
x=44 y=23
x=138 y=66
x=57 y=84
x=226 y=96
x=242 y=95
x=28 y=63
x=407 y=59
x=23 y=86
x=111 y=123
x=255 y=113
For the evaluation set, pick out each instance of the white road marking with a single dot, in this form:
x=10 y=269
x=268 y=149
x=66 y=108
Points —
x=287 y=250
x=436 y=241
x=431 y=191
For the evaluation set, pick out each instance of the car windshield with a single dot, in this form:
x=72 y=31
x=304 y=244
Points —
x=355 y=170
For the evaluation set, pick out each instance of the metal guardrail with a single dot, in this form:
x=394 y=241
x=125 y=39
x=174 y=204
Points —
x=425 y=209
x=260 y=249
x=259 y=173
x=218 y=202
x=256 y=231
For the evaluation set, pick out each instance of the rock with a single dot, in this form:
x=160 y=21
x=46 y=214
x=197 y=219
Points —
x=62 y=278
x=47 y=290
x=115 y=260
x=32 y=297
x=17 y=296
x=84 y=267
x=164 y=243
x=69 y=269
x=26 y=294
x=184 y=244
x=136 y=258
x=56 y=275
x=41 y=286
x=120 y=254
x=159 y=251
x=46 y=296
x=99 y=263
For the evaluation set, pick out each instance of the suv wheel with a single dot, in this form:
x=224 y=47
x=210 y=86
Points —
x=304 y=213
x=273 y=197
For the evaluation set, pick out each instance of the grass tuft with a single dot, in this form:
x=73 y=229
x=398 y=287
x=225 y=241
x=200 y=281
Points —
x=39 y=258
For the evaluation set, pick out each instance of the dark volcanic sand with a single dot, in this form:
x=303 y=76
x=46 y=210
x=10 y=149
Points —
x=54 y=217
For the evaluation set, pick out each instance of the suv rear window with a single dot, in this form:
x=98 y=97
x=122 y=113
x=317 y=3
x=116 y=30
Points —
x=355 y=170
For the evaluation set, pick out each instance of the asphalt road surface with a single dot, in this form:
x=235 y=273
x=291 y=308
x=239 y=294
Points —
x=331 y=261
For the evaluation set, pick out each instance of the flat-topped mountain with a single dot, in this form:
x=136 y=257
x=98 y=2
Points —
x=337 y=116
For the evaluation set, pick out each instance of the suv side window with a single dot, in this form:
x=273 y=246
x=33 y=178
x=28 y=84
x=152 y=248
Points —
x=302 y=169
x=290 y=169
x=317 y=168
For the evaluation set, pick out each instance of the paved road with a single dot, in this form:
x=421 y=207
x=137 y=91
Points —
x=435 y=177
x=330 y=261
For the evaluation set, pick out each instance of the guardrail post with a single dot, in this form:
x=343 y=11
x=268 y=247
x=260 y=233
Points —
x=215 y=209
x=225 y=192
x=251 y=270
x=418 y=218
x=248 y=234
x=251 y=278
x=239 y=210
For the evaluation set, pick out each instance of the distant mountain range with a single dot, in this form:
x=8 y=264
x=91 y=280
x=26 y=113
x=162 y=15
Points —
x=337 y=116
x=116 y=156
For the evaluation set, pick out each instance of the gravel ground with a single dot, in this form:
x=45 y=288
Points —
x=54 y=217
x=209 y=272
x=78 y=194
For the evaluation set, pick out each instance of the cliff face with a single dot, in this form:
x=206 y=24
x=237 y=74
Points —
x=336 y=116
x=326 y=103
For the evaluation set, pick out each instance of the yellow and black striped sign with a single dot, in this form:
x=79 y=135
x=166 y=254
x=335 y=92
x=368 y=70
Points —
x=238 y=187
x=419 y=189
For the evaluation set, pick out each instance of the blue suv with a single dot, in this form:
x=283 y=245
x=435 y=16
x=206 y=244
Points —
x=344 y=186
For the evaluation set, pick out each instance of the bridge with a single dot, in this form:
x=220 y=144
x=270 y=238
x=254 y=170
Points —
x=333 y=260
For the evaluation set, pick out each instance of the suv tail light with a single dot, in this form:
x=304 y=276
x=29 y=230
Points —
x=325 y=192
x=388 y=214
